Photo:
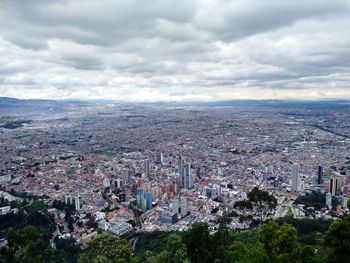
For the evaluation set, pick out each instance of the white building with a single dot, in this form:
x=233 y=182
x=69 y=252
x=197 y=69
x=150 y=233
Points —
x=329 y=200
x=106 y=182
x=77 y=203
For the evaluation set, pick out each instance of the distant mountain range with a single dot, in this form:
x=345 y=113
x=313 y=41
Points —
x=12 y=106
x=54 y=105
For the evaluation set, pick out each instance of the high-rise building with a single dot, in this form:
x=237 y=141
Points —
x=175 y=205
x=126 y=176
x=296 y=182
x=148 y=197
x=198 y=172
x=68 y=200
x=185 y=174
x=118 y=183
x=336 y=183
x=181 y=171
x=139 y=196
x=320 y=175
x=155 y=191
x=77 y=203
x=344 y=202
x=334 y=186
x=159 y=158
x=183 y=206
x=188 y=176
x=146 y=168
x=329 y=200
x=143 y=204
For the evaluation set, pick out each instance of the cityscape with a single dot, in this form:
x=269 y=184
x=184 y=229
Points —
x=165 y=168
x=202 y=131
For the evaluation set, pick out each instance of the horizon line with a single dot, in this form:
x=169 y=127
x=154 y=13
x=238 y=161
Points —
x=179 y=101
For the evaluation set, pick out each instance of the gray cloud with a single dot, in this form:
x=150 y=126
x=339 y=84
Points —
x=175 y=50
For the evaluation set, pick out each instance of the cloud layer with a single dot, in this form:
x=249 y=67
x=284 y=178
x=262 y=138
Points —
x=165 y=50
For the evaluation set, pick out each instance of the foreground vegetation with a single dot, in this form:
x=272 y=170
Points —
x=285 y=240
x=274 y=241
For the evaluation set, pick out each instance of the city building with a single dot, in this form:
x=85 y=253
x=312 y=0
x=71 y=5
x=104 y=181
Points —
x=183 y=206
x=329 y=200
x=334 y=186
x=181 y=171
x=175 y=205
x=296 y=182
x=185 y=174
x=106 y=182
x=77 y=203
x=139 y=196
x=336 y=183
x=344 y=202
x=320 y=175
x=188 y=176
x=159 y=158
x=143 y=206
x=148 y=197
x=118 y=183
x=147 y=168
x=126 y=176
x=168 y=218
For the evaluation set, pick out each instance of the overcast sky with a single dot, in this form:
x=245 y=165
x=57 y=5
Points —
x=175 y=50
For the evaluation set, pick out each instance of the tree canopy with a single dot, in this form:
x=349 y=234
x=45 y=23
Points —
x=105 y=248
x=258 y=199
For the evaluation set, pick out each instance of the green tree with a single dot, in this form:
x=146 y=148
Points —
x=177 y=249
x=262 y=201
x=224 y=222
x=267 y=234
x=280 y=242
x=337 y=238
x=240 y=252
x=259 y=200
x=198 y=243
x=26 y=245
x=67 y=250
x=286 y=245
x=312 y=255
x=175 y=252
x=105 y=248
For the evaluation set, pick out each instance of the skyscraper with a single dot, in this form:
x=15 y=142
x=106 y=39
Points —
x=139 y=196
x=188 y=176
x=143 y=204
x=77 y=203
x=146 y=168
x=334 y=185
x=320 y=175
x=296 y=182
x=181 y=171
x=148 y=197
